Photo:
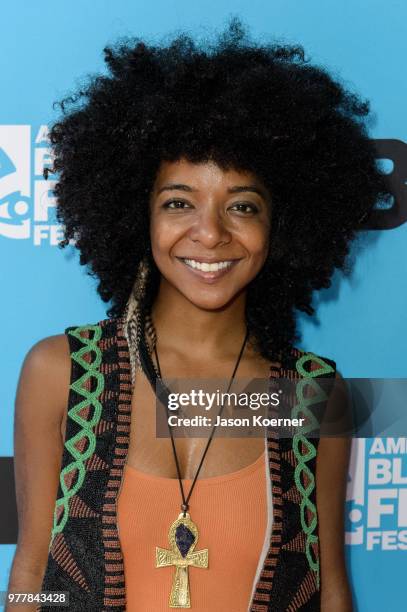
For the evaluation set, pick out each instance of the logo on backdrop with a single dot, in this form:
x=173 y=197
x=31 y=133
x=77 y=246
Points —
x=27 y=206
x=376 y=499
x=394 y=152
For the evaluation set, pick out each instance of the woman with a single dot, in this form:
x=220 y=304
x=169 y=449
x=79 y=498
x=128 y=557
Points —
x=210 y=190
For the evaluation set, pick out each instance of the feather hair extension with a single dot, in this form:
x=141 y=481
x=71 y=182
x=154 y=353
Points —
x=137 y=322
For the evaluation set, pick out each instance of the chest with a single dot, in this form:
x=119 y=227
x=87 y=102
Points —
x=154 y=455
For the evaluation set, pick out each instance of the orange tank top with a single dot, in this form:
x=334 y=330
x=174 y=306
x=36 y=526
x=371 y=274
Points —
x=230 y=512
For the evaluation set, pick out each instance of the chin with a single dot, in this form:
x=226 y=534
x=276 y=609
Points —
x=210 y=302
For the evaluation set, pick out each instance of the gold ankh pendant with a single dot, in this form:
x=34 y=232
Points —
x=183 y=537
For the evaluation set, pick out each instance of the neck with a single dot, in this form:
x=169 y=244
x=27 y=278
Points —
x=188 y=329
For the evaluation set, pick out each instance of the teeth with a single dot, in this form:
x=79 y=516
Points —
x=208 y=267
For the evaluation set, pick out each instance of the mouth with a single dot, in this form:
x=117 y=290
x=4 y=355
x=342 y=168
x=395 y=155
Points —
x=209 y=270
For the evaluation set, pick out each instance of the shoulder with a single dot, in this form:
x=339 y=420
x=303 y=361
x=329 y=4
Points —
x=53 y=353
x=43 y=385
x=51 y=356
x=45 y=372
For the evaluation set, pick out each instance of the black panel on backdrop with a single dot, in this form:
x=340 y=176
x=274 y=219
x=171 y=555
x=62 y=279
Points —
x=394 y=216
x=8 y=509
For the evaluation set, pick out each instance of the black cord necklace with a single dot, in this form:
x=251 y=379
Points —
x=185 y=500
x=183 y=533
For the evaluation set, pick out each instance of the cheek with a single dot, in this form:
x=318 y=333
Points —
x=257 y=243
x=159 y=234
x=163 y=237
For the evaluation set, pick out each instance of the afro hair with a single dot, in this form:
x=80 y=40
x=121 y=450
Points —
x=260 y=107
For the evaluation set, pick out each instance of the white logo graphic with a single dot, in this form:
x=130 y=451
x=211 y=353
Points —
x=26 y=201
x=376 y=499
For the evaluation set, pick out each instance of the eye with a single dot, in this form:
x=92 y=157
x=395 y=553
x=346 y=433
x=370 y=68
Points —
x=252 y=207
x=175 y=202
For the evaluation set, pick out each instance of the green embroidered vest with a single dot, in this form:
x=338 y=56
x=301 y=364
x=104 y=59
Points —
x=85 y=556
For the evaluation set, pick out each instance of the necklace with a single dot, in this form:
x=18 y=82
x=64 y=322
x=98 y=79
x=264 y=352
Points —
x=183 y=532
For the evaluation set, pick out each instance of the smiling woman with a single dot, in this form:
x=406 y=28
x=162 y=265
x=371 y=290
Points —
x=206 y=225
x=210 y=189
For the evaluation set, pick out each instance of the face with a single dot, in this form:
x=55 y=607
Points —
x=209 y=230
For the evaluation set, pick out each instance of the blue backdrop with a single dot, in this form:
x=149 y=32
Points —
x=44 y=51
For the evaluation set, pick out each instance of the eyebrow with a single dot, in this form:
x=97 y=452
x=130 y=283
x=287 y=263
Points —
x=234 y=189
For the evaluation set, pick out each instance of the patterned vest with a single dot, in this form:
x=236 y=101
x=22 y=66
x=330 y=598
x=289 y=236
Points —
x=85 y=556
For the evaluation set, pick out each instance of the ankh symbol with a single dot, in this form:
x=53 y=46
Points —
x=183 y=537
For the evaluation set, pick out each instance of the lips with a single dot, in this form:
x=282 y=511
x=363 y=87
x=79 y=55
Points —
x=210 y=259
x=210 y=276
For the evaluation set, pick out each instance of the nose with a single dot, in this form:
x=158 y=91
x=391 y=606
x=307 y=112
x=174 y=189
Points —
x=210 y=228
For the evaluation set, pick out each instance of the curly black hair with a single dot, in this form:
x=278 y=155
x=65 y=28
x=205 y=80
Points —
x=245 y=105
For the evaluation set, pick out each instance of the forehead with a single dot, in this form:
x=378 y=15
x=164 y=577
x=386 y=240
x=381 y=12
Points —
x=206 y=174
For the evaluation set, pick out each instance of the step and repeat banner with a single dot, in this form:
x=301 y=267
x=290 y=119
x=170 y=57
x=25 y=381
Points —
x=45 y=50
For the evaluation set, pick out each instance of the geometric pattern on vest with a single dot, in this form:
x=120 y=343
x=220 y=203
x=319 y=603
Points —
x=85 y=556
x=290 y=580
x=76 y=560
